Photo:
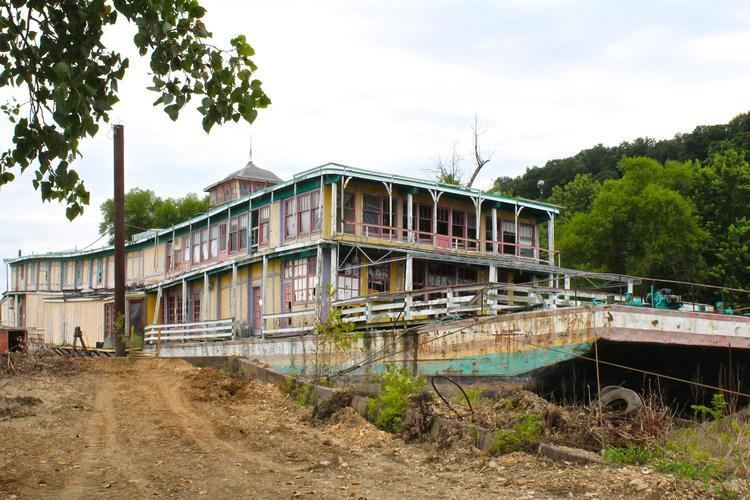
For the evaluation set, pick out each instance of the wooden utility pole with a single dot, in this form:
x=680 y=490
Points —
x=119 y=309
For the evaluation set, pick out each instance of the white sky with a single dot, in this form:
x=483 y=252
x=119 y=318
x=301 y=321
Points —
x=392 y=85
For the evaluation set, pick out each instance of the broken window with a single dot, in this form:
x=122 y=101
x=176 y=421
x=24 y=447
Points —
x=347 y=285
x=290 y=219
x=304 y=278
x=379 y=278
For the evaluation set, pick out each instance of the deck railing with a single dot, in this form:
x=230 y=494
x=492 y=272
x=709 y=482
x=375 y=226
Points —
x=360 y=230
x=185 y=332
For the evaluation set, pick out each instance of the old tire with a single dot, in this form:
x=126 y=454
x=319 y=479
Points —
x=618 y=400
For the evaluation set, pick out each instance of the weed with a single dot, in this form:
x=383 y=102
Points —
x=717 y=409
x=664 y=460
x=332 y=336
x=303 y=392
x=525 y=435
x=388 y=409
x=473 y=394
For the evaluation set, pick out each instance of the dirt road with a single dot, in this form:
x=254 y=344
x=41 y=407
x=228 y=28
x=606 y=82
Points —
x=143 y=428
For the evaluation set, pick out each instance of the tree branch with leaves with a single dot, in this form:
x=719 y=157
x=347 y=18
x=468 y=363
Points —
x=53 y=51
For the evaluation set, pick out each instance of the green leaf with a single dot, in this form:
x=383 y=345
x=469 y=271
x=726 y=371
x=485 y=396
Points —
x=61 y=69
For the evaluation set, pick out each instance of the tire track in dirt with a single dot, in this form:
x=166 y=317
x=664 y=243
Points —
x=99 y=444
x=201 y=430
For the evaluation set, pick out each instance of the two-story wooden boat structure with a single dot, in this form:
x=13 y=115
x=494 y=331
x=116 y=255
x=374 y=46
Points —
x=271 y=256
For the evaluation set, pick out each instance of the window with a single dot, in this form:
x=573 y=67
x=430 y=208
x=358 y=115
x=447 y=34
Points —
x=233 y=234
x=376 y=214
x=317 y=216
x=265 y=215
x=213 y=245
x=186 y=250
x=290 y=219
x=304 y=278
x=174 y=308
x=466 y=276
x=371 y=214
x=379 y=278
x=509 y=237
x=167 y=259
x=196 y=236
x=99 y=272
x=349 y=207
x=204 y=245
x=488 y=234
x=347 y=285
x=242 y=233
x=223 y=237
x=238 y=233
x=425 y=223
x=177 y=260
x=79 y=273
x=459 y=228
x=526 y=240
x=304 y=214
x=471 y=232
x=443 y=215
x=195 y=307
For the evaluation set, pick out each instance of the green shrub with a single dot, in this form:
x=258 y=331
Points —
x=525 y=435
x=388 y=409
x=303 y=392
x=717 y=409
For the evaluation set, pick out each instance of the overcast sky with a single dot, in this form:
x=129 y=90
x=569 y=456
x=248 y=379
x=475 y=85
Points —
x=391 y=85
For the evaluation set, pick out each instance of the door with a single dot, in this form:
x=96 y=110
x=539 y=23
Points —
x=136 y=316
x=256 y=308
x=109 y=320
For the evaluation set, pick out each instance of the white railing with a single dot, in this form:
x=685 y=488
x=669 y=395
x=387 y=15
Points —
x=204 y=330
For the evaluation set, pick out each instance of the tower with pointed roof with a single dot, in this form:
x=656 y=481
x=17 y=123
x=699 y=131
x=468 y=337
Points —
x=246 y=180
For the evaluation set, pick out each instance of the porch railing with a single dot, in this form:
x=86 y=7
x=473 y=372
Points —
x=184 y=332
x=441 y=241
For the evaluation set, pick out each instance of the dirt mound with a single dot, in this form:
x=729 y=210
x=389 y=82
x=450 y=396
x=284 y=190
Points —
x=27 y=363
x=17 y=406
x=326 y=409
x=210 y=384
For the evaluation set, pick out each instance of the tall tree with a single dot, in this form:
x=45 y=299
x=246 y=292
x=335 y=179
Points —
x=642 y=224
x=54 y=52
x=722 y=197
x=576 y=196
x=145 y=210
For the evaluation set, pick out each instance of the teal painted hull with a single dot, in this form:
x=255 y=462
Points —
x=501 y=364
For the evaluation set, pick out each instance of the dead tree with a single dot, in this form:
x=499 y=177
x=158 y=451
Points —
x=479 y=159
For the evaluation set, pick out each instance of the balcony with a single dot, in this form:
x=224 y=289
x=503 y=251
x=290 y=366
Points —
x=358 y=232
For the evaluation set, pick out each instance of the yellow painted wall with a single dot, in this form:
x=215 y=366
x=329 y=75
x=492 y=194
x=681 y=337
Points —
x=274 y=230
x=225 y=291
